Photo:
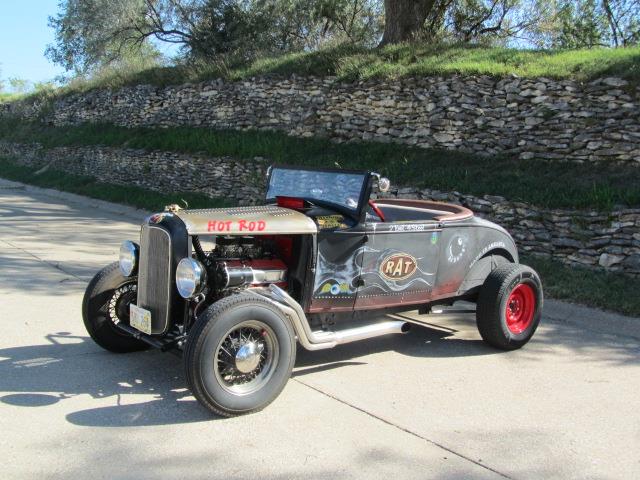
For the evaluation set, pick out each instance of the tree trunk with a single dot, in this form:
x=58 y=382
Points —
x=611 y=21
x=403 y=19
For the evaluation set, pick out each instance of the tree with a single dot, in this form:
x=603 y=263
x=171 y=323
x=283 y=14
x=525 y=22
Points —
x=353 y=21
x=463 y=20
x=87 y=34
x=94 y=33
x=19 y=85
x=209 y=28
x=474 y=20
x=623 y=21
x=403 y=19
x=580 y=25
x=591 y=23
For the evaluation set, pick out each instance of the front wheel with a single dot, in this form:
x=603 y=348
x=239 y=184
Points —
x=509 y=306
x=239 y=355
x=106 y=302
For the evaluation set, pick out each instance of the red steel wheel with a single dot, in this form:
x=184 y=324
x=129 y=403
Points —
x=520 y=308
x=509 y=306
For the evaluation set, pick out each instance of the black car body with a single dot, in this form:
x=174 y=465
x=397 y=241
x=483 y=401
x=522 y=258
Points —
x=320 y=253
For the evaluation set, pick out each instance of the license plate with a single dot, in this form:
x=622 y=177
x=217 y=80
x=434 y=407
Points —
x=140 y=319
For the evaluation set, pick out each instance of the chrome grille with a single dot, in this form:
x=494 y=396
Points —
x=154 y=275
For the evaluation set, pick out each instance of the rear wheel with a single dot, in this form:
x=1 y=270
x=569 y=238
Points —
x=239 y=355
x=509 y=306
x=106 y=302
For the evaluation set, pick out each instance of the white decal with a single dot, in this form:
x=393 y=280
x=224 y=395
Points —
x=456 y=249
x=408 y=228
x=485 y=250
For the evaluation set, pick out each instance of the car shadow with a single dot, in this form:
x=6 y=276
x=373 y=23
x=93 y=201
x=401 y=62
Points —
x=421 y=341
x=69 y=366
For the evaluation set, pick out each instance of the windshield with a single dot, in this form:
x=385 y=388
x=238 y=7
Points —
x=340 y=188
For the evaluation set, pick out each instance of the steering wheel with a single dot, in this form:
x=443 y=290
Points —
x=333 y=206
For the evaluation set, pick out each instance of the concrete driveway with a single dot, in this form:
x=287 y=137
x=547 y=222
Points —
x=436 y=403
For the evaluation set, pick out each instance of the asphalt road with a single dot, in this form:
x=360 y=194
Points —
x=435 y=403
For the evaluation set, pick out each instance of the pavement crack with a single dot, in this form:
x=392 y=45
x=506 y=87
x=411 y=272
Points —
x=403 y=429
x=46 y=262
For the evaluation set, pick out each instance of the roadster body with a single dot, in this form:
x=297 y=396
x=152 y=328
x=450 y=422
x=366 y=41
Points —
x=233 y=290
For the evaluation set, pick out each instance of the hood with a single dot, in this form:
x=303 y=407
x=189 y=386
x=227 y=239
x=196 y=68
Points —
x=263 y=220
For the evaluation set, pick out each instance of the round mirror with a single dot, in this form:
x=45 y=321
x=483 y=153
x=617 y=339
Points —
x=384 y=184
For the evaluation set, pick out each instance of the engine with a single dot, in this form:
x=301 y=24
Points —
x=243 y=263
x=250 y=273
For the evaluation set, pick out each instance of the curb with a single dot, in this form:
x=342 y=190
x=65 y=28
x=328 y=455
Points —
x=134 y=213
x=592 y=319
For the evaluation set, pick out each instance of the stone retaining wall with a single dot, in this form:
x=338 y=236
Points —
x=598 y=240
x=240 y=182
x=543 y=118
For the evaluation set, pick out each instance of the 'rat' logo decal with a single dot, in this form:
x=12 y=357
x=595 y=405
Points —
x=398 y=266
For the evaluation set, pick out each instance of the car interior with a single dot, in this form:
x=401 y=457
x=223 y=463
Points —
x=392 y=210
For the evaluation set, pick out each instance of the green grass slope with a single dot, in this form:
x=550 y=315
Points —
x=542 y=183
x=351 y=63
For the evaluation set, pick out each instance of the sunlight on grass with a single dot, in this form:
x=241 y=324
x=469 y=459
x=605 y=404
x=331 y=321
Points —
x=351 y=63
x=611 y=291
x=413 y=60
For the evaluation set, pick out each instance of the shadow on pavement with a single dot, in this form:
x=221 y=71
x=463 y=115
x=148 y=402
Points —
x=42 y=241
x=68 y=366
x=421 y=341
x=22 y=272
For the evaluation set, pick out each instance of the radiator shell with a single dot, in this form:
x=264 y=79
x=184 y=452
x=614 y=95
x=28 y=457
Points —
x=163 y=243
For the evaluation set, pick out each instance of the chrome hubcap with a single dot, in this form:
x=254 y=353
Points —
x=246 y=357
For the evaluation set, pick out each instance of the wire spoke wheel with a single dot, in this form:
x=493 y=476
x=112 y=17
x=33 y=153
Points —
x=118 y=305
x=245 y=358
x=239 y=354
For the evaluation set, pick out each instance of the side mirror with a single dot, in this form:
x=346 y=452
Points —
x=384 y=184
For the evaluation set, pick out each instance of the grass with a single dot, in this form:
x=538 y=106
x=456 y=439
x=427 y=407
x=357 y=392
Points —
x=610 y=291
x=90 y=187
x=542 y=183
x=351 y=63
x=10 y=97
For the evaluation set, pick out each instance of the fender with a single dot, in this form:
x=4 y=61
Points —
x=482 y=268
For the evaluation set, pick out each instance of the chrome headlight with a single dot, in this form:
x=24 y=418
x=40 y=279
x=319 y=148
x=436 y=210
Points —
x=129 y=254
x=191 y=277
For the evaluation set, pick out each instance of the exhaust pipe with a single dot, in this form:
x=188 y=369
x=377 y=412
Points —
x=370 y=331
x=320 y=340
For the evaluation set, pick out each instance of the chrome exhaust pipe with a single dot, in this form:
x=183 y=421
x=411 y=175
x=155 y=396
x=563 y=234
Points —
x=370 y=331
x=320 y=340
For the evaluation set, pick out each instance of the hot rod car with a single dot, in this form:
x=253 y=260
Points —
x=233 y=290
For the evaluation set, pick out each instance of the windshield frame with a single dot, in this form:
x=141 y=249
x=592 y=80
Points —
x=365 y=190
